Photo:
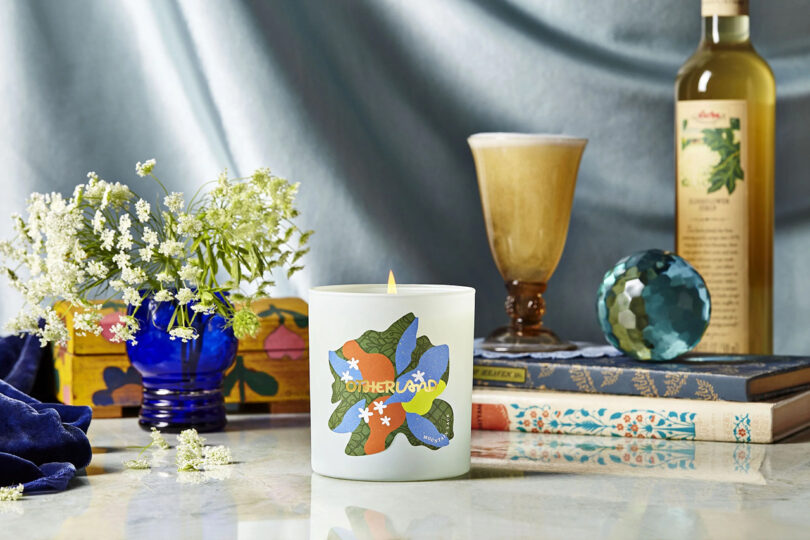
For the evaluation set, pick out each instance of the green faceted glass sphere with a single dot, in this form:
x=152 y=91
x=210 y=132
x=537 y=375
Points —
x=653 y=305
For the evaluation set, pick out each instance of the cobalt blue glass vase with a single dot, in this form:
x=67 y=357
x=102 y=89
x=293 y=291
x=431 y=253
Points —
x=182 y=382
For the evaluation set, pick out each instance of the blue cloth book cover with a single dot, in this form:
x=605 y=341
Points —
x=708 y=377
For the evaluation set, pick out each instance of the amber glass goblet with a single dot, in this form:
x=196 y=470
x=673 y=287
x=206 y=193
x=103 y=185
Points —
x=527 y=186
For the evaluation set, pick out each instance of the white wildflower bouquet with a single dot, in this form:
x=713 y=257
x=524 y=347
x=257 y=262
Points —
x=106 y=241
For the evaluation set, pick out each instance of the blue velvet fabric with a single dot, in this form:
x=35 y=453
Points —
x=41 y=444
x=20 y=357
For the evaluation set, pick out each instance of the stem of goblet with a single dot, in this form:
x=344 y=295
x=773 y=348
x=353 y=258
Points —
x=525 y=306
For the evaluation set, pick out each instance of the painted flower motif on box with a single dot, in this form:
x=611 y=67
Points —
x=387 y=383
x=121 y=387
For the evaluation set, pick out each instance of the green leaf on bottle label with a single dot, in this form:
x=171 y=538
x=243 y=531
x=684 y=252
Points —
x=727 y=171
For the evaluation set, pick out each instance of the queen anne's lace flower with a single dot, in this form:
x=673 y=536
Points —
x=163 y=296
x=150 y=237
x=142 y=169
x=87 y=322
x=54 y=330
x=133 y=275
x=171 y=248
x=125 y=330
x=245 y=323
x=98 y=222
x=184 y=296
x=132 y=297
x=124 y=241
x=11 y=493
x=142 y=209
x=189 y=225
x=105 y=238
x=124 y=223
x=122 y=259
x=137 y=464
x=97 y=269
x=174 y=202
x=189 y=451
x=217 y=455
x=189 y=273
x=146 y=254
x=183 y=333
x=203 y=308
x=157 y=439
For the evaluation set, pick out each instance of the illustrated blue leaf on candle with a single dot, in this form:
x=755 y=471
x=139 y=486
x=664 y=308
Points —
x=405 y=347
x=431 y=367
x=425 y=431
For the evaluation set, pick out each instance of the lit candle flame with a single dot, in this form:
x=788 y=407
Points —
x=392 y=283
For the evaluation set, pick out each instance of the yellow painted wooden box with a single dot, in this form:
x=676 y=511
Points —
x=272 y=368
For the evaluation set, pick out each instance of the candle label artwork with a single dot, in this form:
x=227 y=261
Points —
x=387 y=383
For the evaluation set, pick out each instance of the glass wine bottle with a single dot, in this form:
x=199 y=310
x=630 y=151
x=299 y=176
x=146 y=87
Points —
x=724 y=129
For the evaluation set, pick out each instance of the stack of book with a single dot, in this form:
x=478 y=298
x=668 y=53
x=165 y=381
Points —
x=758 y=399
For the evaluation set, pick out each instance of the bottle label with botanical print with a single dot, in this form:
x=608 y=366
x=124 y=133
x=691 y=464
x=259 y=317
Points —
x=724 y=8
x=712 y=212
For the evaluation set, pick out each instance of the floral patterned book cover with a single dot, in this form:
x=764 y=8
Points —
x=704 y=377
x=638 y=417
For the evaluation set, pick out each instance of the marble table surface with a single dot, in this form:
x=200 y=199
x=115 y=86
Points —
x=520 y=486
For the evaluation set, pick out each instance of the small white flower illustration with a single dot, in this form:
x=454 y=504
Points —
x=386 y=421
x=345 y=377
x=365 y=414
x=379 y=406
x=419 y=376
x=353 y=363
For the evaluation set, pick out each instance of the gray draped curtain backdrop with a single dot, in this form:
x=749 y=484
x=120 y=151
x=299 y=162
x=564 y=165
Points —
x=368 y=103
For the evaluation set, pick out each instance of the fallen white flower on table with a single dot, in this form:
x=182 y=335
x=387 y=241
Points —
x=11 y=493
x=193 y=455
x=201 y=477
x=217 y=455
x=136 y=464
x=158 y=443
x=157 y=440
x=189 y=451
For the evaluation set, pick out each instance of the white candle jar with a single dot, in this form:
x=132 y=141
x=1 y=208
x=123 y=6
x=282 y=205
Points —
x=391 y=381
